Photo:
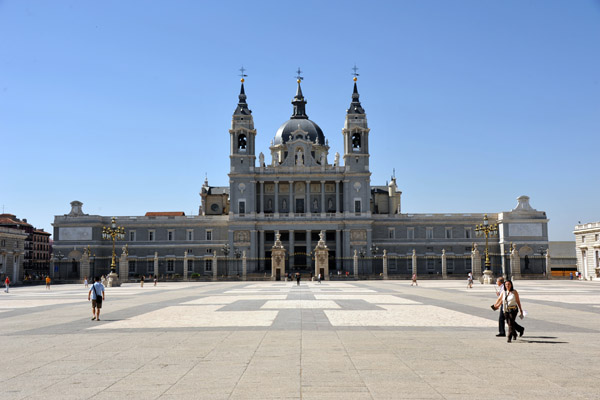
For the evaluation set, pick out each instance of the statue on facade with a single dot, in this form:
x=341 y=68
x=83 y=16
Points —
x=336 y=160
x=261 y=160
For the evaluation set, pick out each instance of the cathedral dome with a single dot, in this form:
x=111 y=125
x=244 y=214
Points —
x=299 y=120
x=313 y=132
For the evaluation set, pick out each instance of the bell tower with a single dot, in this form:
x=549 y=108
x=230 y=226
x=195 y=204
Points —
x=242 y=135
x=242 y=157
x=356 y=135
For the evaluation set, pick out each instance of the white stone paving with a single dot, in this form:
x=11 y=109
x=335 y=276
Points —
x=205 y=316
x=282 y=304
x=373 y=299
x=232 y=299
x=398 y=315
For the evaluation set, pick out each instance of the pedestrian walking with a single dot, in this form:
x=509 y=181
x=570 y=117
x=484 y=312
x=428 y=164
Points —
x=509 y=298
x=97 y=294
x=319 y=278
x=501 y=319
x=142 y=280
x=85 y=282
x=155 y=279
x=48 y=280
x=470 y=281
x=297 y=278
x=6 y=283
x=414 y=280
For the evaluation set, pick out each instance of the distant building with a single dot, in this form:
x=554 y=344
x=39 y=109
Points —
x=12 y=249
x=37 y=249
x=587 y=242
x=303 y=190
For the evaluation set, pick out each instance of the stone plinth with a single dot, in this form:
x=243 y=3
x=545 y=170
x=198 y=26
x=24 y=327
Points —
x=385 y=264
x=322 y=258
x=84 y=270
x=277 y=259
x=124 y=266
x=515 y=263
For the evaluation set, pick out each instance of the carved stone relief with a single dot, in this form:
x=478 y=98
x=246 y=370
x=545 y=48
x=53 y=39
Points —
x=241 y=236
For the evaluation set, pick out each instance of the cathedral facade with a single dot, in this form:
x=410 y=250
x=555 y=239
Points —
x=302 y=191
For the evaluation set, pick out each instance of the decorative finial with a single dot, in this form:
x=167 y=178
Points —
x=242 y=74
x=298 y=77
x=356 y=74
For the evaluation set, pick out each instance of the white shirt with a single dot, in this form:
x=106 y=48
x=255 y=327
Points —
x=97 y=288
x=509 y=300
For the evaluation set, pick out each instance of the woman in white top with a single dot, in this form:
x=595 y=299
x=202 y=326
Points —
x=509 y=298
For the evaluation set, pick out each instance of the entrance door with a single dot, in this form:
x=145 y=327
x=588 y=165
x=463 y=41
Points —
x=322 y=272
x=300 y=206
x=277 y=274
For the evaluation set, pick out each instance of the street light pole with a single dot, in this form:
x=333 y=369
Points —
x=114 y=233
x=487 y=230
x=226 y=250
x=60 y=256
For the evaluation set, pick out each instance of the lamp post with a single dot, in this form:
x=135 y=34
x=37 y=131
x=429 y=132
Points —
x=60 y=256
x=114 y=233
x=226 y=250
x=237 y=253
x=362 y=252
x=487 y=230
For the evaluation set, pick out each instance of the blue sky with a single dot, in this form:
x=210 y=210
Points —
x=126 y=105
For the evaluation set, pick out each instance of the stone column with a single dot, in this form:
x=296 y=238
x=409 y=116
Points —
x=156 y=264
x=291 y=241
x=215 y=266
x=548 y=265
x=385 y=264
x=253 y=244
x=323 y=209
x=444 y=265
x=123 y=267
x=322 y=257
x=308 y=246
x=337 y=197
x=291 y=205
x=277 y=258
x=307 y=205
x=185 y=265
x=355 y=262
x=276 y=210
x=85 y=266
x=262 y=197
x=244 y=266
x=515 y=263
x=414 y=262
x=261 y=250
x=476 y=262
x=338 y=249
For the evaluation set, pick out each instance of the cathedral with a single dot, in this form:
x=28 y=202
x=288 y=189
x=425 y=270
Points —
x=305 y=190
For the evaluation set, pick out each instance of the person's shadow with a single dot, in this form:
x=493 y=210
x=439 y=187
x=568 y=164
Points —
x=527 y=339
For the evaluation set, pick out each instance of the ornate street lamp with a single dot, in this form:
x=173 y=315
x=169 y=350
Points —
x=237 y=253
x=226 y=250
x=114 y=233
x=486 y=230
x=60 y=256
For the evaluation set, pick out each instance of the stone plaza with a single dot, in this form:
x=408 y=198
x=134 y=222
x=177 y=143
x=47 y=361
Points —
x=333 y=340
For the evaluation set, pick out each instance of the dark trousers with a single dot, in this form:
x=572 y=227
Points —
x=513 y=326
x=502 y=320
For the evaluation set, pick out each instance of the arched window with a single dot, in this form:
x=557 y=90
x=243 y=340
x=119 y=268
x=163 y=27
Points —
x=356 y=141
x=242 y=142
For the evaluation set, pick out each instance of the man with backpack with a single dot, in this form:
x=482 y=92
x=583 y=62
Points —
x=97 y=294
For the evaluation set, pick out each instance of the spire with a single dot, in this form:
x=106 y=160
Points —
x=242 y=107
x=355 y=107
x=299 y=102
